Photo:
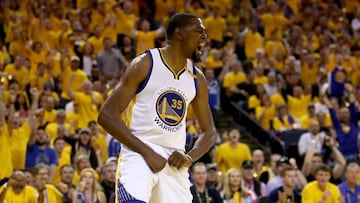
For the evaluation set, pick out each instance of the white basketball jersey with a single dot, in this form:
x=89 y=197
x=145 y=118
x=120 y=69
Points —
x=157 y=114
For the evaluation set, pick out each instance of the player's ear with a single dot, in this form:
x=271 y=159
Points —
x=178 y=33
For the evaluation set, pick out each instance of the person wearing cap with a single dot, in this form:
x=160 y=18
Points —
x=213 y=176
x=200 y=190
x=278 y=182
x=232 y=153
x=321 y=190
x=82 y=145
x=250 y=183
x=286 y=193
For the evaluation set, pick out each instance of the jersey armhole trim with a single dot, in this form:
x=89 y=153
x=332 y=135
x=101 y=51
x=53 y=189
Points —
x=195 y=80
x=143 y=84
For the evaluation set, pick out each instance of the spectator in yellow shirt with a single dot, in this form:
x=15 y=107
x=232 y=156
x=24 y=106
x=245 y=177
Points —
x=145 y=38
x=253 y=41
x=18 y=71
x=47 y=192
x=232 y=153
x=215 y=28
x=321 y=190
x=17 y=190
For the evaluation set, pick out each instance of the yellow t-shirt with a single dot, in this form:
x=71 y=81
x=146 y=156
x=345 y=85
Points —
x=29 y=195
x=268 y=116
x=39 y=81
x=162 y=9
x=6 y=169
x=100 y=143
x=282 y=125
x=63 y=159
x=215 y=28
x=277 y=100
x=211 y=63
x=36 y=58
x=51 y=130
x=110 y=32
x=80 y=77
x=53 y=195
x=97 y=44
x=21 y=74
x=298 y=107
x=260 y=80
x=19 y=139
x=231 y=79
x=125 y=23
x=144 y=41
x=97 y=19
x=253 y=102
x=309 y=74
x=228 y=157
x=18 y=48
x=272 y=47
x=74 y=117
x=50 y=116
x=305 y=121
x=253 y=41
x=87 y=109
x=272 y=22
x=312 y=193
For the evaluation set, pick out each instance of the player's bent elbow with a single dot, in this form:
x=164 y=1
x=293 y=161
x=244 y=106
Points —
x=104 y=117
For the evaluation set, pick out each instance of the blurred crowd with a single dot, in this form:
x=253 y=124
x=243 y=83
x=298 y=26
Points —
x=290 y=64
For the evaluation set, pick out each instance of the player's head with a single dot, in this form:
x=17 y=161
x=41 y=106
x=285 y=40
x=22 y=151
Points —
x=189 y=30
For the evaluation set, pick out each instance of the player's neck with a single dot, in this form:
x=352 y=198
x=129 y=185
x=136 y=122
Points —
x=174 y=57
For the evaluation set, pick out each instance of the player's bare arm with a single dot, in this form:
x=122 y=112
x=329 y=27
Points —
x=203 y=114
x=118 y=101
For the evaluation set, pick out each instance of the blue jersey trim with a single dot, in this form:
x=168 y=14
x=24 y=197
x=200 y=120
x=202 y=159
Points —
x=143 y=84
x=195 y=80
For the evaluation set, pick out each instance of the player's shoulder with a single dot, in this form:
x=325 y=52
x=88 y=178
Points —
x=140 y=65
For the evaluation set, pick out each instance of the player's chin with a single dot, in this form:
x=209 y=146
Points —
x=196 y=56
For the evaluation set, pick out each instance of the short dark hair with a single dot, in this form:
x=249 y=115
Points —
x=324 y=168
x=286 y=169
x=179 y=20
x=57 y=139
x=66 y=166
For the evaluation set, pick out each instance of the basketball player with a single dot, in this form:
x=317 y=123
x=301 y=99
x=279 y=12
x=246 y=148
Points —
x=153 y=97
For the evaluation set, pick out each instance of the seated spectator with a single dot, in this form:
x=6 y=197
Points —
x=200 y=191
x=278 y=182
x=17 y=190
x=350 y=188
x=313 y=160
x=88 y=189
x=286 y=193
x=259 y=165
x=284 y=121
x=271 y=172
x=250 y=183
x=321 y=190
x=310 y=116
x=306 y=138
x=214 y=178
x=65 y=186
x=82 y=145
x=47 y=192
x=108 y=177
x=233 y=190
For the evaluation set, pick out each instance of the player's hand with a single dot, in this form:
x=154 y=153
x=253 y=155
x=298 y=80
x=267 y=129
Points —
x=179 y=160
x=156 y=162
